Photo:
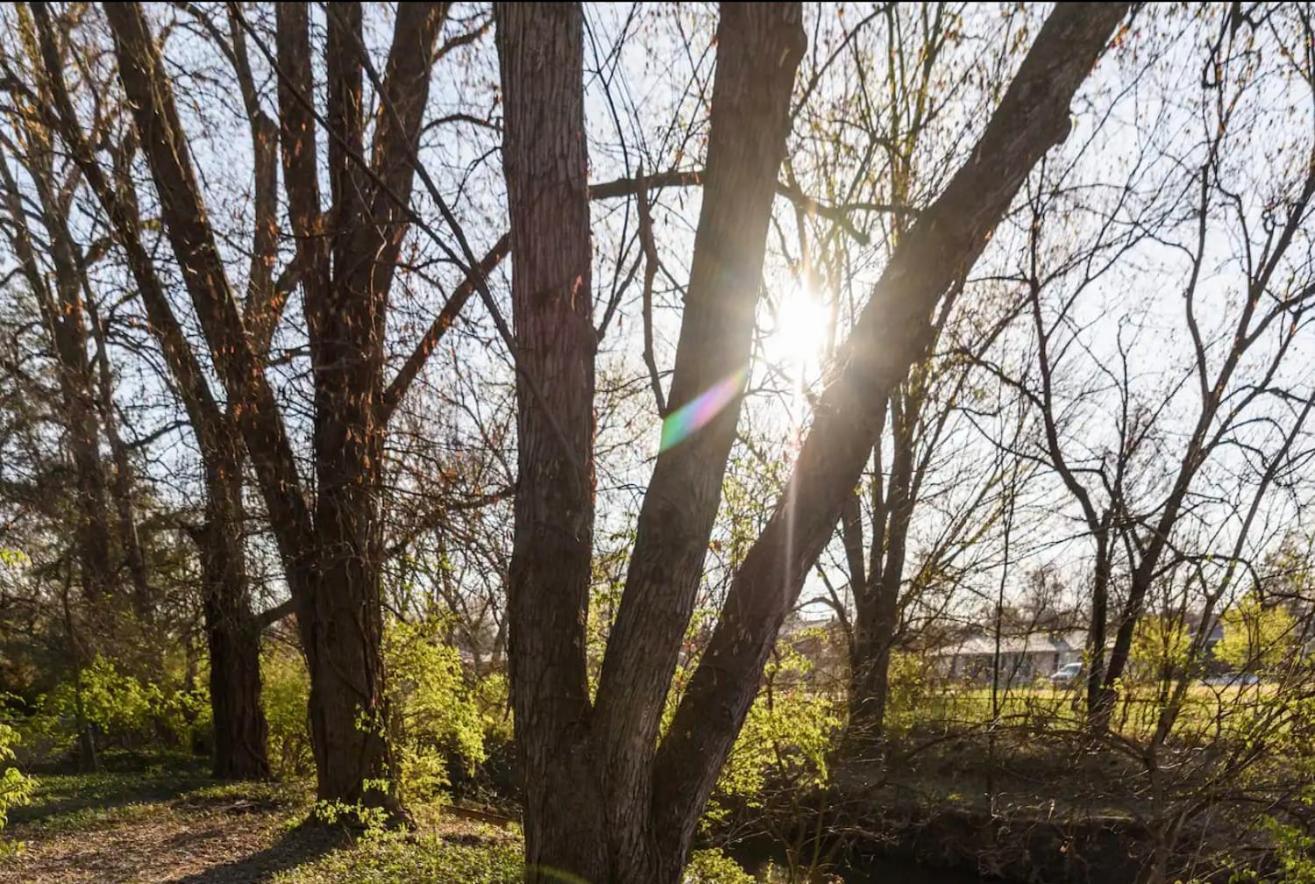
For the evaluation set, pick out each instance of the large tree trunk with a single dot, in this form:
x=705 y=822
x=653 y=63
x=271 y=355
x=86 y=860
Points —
x=232 y=633
x=892 y=332
x=588 y=772
x=599 y=805
x=540 y=48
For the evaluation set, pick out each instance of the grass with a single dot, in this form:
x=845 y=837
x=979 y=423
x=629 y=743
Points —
x=158 y=825
x=440 y=856
x=181 y=826
x=1208 y=713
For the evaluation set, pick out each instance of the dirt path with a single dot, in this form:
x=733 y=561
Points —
x=126 y=829
x=167 y=826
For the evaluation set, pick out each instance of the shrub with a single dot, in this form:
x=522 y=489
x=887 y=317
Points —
x=15 y=788
x=433 y=715
x=121 y=710
x=285 y=692
x=714 y=867
x=1256 y=638
x=784 y=742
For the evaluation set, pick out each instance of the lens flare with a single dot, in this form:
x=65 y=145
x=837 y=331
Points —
x=699 y=411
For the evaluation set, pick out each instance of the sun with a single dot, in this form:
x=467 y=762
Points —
x=798 y=333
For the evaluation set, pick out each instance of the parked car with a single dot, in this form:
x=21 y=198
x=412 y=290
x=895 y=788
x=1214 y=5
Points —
x=1067 y=675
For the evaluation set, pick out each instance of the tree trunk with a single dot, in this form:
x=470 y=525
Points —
x=331 y=555
x=232 y=635
x=540 y=49
x=63 y=315
x=1099 y=700
x=892 y=331
x=879 y=615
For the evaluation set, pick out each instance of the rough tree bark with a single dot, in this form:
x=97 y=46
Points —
x=232 y=633
x=601 y=804
x=540 y=50
x=63 y=314
x=239 y=719
x=345 y=259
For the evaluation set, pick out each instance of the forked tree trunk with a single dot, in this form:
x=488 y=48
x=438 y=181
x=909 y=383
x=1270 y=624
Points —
x=232 y=636
x=330 y=551
x=600 y=804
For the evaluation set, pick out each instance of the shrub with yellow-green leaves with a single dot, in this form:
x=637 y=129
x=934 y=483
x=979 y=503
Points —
x=15 y=787
x=785 y=739
x=433 y=713
x=120 y=708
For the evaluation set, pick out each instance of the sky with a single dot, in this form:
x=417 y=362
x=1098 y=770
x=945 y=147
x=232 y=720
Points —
x=1128 y=162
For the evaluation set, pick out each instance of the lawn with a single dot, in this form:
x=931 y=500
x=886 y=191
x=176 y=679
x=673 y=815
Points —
x=1208 y=712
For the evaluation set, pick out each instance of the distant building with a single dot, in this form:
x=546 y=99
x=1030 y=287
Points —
x=1023 y=658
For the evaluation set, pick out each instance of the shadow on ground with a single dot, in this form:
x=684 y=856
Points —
x=301 y=845
x=66 y=795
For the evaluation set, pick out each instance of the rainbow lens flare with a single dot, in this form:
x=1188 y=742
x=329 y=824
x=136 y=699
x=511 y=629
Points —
x=699 y=411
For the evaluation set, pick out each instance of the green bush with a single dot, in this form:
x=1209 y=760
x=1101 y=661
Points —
x=433 y=714
x=1256 y=638
x=714 y=867
x=784 y=742
x=121 y=710
x=285 y=692
x=15 y=788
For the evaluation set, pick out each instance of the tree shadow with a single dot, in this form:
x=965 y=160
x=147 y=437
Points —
x=298 y=846
x=71 y=794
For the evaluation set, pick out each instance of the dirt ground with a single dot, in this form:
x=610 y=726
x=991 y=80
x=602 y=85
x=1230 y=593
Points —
x=139 y=828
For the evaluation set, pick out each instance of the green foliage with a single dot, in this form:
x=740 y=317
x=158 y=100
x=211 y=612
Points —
x=433 y=714
x=1159 y=649
x=1294 y=852
x=121 y=709
x=395 y=857
x=1256 y=638
x=15 y=788
x=285 y=692
x=785 y=739
x=714 y=867
x=908 y=683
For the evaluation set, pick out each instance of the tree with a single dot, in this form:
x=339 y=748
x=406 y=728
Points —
x=606 y=799
x=1105 y=437
x=232 y=632
x=345 y=261
x=1256 y=637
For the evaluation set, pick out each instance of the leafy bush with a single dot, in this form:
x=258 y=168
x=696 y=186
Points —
x=285 y=692
x=1256 y=638
x=121 y=710
x=714 y=867
x=785 y=740
x=433 y=715
x=1159 y=650
x=15 y=788
x=909 y=684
